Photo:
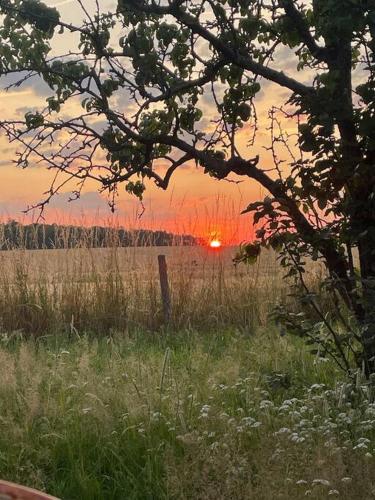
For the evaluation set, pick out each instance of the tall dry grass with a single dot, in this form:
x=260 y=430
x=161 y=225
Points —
x=114 y=289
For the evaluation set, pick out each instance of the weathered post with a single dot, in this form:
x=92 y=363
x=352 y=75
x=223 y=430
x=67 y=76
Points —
x=164 y=286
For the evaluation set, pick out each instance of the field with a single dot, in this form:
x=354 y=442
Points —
x=103 y=290
x=101 y=400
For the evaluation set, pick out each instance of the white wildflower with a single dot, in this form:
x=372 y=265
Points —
x=346 y=479
x=322 y=482
x=283 y=430
x=360 y=446
x=265 y=404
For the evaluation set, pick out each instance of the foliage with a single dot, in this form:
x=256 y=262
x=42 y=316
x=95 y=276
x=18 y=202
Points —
x=22 y=47
x=147 y=69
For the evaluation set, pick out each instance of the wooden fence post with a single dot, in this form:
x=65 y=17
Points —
x=164 y=286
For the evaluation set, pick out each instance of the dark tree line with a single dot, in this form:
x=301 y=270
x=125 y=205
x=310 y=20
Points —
x=49 y=236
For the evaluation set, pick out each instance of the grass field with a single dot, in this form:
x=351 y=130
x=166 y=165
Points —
x=100 y=400
x=183 y=416
x=105 y=290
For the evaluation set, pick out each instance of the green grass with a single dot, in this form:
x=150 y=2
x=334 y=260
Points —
x=155 y=416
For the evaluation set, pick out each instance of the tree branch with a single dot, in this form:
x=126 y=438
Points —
x=299 y=22
x=240 y=59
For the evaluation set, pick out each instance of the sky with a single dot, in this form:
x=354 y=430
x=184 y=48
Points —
x=194 y=203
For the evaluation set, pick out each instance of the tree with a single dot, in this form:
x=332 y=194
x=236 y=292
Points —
x=145 y=70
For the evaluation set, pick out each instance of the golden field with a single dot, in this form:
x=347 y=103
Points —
x=118 y=288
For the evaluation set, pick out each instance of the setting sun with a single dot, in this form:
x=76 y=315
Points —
x=215 y=244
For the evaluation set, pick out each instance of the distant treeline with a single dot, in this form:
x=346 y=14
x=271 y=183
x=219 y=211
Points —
x=48 y=236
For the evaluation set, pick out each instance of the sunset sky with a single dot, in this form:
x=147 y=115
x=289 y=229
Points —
x=194 y=203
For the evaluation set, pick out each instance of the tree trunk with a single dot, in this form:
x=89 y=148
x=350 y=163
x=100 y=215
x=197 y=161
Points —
x=363 y=225
x=366 y=250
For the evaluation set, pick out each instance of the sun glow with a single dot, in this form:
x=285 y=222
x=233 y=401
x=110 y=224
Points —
x=215 y=244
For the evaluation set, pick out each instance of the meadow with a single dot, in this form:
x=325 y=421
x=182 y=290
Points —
x=99 y=399
x=100 y=290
